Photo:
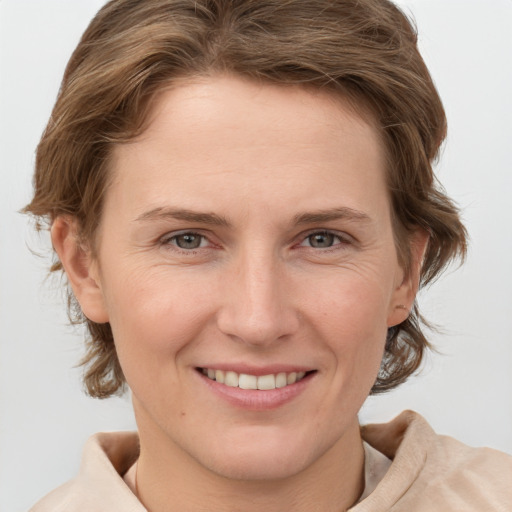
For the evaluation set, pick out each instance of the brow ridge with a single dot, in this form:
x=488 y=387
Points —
x=184 y=214
x=214 y=219
x=331 y=214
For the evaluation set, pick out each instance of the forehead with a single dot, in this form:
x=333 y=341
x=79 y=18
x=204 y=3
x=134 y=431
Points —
x=233 y=102
x=226 y=132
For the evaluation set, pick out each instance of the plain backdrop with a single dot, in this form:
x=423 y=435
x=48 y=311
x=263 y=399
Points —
x=465 y=391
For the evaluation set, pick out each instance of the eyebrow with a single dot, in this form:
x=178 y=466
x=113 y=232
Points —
x=162 y=213
x=331 y=214
x=212 y=219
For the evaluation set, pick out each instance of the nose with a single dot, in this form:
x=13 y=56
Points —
x=257 y=304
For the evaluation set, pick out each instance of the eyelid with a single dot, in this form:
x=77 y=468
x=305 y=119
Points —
x=344 y=237
x=172 y=235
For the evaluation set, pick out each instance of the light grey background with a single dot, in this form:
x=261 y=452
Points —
x=44 y=416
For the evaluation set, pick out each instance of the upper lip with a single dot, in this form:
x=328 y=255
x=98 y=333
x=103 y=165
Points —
x=257 y=370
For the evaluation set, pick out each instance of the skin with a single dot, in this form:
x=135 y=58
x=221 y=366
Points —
x=296 y=265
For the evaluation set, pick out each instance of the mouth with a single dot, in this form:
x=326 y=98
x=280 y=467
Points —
x=255 y=382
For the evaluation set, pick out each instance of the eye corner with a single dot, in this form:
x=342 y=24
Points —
x=324 y=240
x=186 y=241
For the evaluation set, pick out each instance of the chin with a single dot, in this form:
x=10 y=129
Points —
x=268 y=459
x=261 y=469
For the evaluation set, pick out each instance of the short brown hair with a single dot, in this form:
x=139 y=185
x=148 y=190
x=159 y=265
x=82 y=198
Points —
x=363 y=50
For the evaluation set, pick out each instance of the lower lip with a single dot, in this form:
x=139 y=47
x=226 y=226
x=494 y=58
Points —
x=255 y=399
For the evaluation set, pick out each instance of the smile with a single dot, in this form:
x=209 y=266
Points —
x=247 y=381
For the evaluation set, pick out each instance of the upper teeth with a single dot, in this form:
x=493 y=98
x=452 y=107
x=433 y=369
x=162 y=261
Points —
x=245 y=381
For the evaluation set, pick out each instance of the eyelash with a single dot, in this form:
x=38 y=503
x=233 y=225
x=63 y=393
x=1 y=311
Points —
x=342 y=240
x=171 y=240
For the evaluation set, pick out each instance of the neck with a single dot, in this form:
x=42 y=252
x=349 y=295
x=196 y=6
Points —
x=169 y=479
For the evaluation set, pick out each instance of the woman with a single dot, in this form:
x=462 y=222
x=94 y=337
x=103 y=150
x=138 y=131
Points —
x=241 y=197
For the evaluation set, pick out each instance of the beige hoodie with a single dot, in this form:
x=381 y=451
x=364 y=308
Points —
x=429 y=472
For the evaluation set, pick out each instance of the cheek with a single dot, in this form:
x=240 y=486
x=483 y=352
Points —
x=352 y=319
x=352 y=305
x=154 y=318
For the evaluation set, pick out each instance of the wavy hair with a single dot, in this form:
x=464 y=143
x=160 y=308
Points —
x=363 y=50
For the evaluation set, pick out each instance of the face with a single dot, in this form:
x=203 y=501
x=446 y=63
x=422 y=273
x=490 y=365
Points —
x=246 y=242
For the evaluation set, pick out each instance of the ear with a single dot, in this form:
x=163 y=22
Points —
x=405 y=293
x=81 y=269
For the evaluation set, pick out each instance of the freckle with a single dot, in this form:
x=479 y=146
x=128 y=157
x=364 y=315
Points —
x=183 y=413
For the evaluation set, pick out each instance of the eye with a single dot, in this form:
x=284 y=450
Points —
x=322 y=240
x=187 y=241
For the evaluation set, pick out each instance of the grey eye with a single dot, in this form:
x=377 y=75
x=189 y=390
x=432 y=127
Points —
x=188 y=241
x=321 y=240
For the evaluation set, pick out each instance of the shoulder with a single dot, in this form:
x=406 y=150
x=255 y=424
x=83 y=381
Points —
x=436 y=472
x=99 y=485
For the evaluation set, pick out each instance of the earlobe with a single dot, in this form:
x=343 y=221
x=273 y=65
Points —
x=80 y=267
x=405 y=293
